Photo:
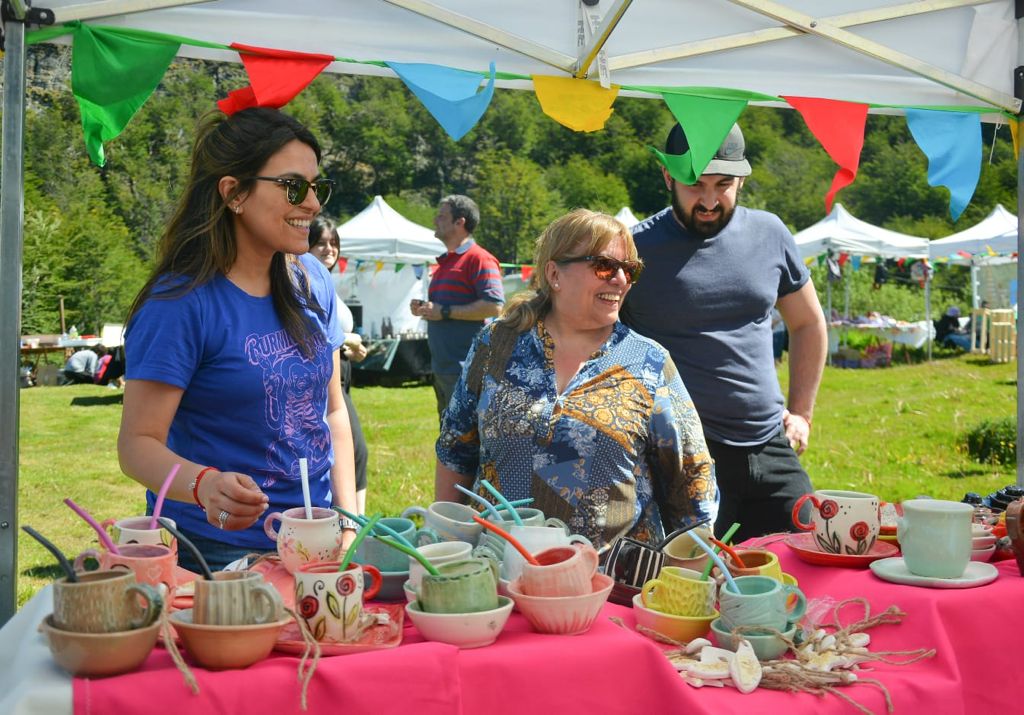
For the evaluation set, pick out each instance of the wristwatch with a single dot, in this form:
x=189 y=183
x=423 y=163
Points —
x=347 y=523
x=446 y=312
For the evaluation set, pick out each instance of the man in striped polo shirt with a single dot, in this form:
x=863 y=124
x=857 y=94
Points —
x=465 y=290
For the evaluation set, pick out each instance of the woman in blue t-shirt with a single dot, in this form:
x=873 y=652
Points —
x=232 y=343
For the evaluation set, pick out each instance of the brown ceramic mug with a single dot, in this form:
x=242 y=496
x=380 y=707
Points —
x=235 y=598
x=104 y=602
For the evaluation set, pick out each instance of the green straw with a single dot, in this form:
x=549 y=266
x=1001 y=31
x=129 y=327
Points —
x=504 y=502
x=350 y=554
x=725 y=540
x=431 y=569
x=361 y=520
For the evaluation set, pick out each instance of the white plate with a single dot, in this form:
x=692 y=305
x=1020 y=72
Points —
x=977 y=573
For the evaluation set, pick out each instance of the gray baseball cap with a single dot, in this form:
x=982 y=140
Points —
x=729 y=160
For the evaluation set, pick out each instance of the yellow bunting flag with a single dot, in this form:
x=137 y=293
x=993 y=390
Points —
x=1015 y=133
x=579 y=104
x=379 y=267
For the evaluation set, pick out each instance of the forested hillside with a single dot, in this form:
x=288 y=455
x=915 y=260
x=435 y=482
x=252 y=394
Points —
x=89 y=231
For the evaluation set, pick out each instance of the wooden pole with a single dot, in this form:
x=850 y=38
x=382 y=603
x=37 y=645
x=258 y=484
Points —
x=63 y=327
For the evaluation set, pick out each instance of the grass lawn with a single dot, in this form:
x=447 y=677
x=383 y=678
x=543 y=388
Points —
x=891 y=431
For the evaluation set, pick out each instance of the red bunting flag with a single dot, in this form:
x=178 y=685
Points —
x=843 y=258
x=342 y=264
x=839 y=126
x=900 y=262
x=526 y=272
x=275 y=77
x=964 y=254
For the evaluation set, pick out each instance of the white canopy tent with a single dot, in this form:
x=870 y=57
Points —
x=385 y=252
x=990 y=242
x=626 y=216
x=940 y=53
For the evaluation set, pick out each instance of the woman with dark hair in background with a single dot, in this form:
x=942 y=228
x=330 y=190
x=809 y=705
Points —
x=325 y=245
x=233 y=344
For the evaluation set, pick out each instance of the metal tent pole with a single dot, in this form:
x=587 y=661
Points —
x=12 y=209
x=1018 y=87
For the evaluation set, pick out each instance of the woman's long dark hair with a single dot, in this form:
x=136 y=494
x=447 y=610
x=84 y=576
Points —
x=199 y=241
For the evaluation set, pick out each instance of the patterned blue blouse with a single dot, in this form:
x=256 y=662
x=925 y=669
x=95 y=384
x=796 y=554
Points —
x=620 y=452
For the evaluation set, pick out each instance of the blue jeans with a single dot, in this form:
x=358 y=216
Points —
x=758 y=486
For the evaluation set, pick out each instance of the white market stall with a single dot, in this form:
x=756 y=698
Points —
x=944 y=53
x=989 y=247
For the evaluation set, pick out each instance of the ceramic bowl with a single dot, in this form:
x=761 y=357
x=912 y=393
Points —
x=392 y=585
x=984 y=554
x=766 y=646
x=97 y=655
x=225 y=647
x=678 y=628
x=980 y=530
x=982 y=542
x=565 y=615
x=463 y=630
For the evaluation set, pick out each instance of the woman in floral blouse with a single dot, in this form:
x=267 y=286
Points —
x=561 y=402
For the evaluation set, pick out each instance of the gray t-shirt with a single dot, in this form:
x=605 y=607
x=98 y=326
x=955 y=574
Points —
x=84 y=361
x=709 y=303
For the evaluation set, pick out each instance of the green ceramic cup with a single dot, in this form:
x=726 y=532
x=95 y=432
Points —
x=468 y=586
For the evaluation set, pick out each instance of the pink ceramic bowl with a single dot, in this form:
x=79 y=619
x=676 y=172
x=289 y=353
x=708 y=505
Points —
x=565 y=615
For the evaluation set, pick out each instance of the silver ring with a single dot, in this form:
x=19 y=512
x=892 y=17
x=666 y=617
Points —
x=223 y=518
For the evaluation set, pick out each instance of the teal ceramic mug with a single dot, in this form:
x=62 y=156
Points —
x=375 y=552
x=761 y=601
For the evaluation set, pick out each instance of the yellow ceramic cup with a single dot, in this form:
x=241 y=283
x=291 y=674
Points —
x=680 y=592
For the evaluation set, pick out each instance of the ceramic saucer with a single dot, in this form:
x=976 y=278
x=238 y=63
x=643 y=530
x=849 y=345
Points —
x=803 y=545
x=978 y=573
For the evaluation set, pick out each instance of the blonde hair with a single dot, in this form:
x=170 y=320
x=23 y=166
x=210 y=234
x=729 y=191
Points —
x=580 y=232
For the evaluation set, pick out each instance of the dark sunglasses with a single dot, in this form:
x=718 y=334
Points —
x=296 y=189
x=605 y=268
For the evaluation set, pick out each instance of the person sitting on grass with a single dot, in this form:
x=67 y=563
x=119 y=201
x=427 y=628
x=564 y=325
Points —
x=81 y=367
x=949 y=333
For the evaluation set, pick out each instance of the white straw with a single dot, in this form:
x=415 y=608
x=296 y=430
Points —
x=304 y=472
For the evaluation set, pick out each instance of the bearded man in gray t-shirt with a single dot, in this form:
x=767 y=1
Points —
x=713 y=272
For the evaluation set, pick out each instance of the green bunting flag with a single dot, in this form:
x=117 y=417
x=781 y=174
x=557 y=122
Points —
x=706 y=122
x=112 y=75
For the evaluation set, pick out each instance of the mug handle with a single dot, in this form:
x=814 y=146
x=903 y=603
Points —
x=796 y=603
x=271 y=600
x=80 y=560
x=425 y=535
x=646 y=590
x=375 y=582
x=589 y=555
x=107 y=523
x=796 y=512
x=268 y=525
x=580 y=539
x=154 y=603
x=554 y=523
x=413 y=511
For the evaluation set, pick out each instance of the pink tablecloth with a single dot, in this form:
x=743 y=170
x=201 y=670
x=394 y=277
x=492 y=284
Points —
x=611 y=669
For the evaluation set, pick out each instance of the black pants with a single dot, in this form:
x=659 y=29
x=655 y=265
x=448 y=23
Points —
x=759 y=486
x=358 y=440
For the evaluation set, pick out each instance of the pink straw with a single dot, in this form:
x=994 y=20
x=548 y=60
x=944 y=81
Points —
x=158 y=507
x=104 y=539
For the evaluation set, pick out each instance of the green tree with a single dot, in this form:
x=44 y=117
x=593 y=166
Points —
x=581 y=184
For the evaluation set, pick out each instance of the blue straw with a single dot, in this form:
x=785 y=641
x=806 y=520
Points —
x=502 y=500
x=361 y=520
x=476 y=497
x=714 y=557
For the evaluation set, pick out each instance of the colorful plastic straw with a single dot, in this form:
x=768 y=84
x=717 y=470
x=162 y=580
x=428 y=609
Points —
x=515 y=503
x=725 y=539
x=104 y=537
x=509 y=538
x=362 y=534
x=503 y=501
x=729 y=550
x=304 y=473
x=158 y=507
x=714 y=557
x=361 y=520
x=476 y=497
x=410 y=551
x=69 y=570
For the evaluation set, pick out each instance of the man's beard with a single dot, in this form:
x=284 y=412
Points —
x=701 y=229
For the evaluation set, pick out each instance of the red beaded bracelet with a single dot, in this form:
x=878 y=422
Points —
x=195 y=485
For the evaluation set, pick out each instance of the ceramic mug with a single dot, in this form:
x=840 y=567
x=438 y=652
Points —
x=682 y=549
x=375 y=552
x=104 y=602
x=843 y=522
x=756 y=562
x=331 y=601
x=533 y=539
x=443 y=552
x=679 y=592
x=151 y=563
x=235 y=598
x=302 y=541
x=492 y=546
x=135 y=530
x=468 y=586
x=935 y=537
x=761 y=601
x=562 y=571
x=447 y=521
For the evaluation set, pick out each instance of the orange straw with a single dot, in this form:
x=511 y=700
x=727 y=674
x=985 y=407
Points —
x=509 y=538
x=729 y=550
